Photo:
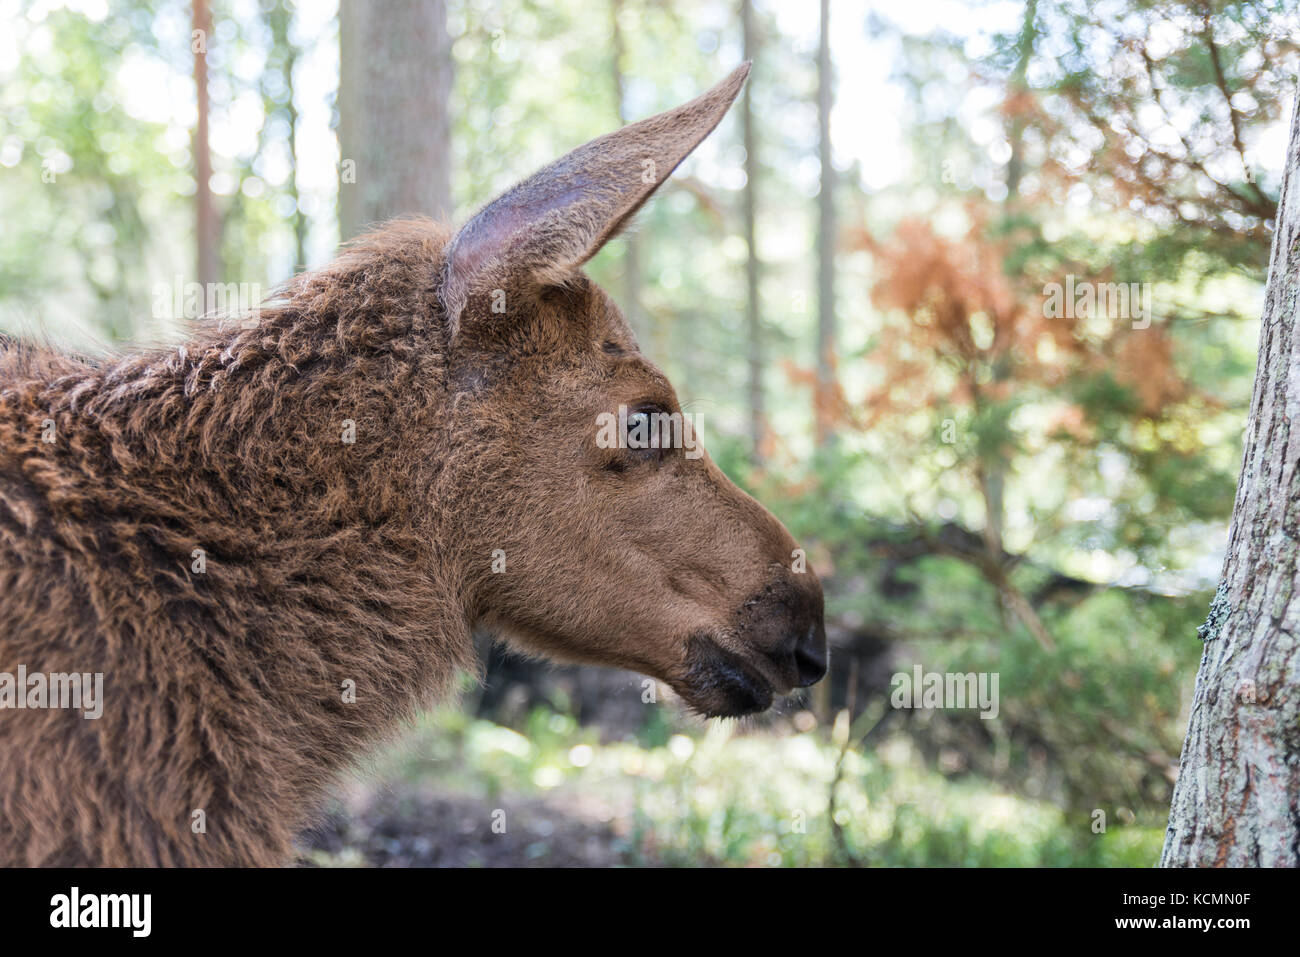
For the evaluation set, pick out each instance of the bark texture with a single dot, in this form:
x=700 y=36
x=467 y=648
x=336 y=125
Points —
x=1237 y=800
x=394 y=123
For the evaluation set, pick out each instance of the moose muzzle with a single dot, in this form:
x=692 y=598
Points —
x=776 y=644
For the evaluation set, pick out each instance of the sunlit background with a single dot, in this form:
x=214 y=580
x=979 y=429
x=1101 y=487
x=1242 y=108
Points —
x=987 y=484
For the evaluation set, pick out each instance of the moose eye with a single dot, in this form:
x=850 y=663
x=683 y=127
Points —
x=642 y=436
x=639 y=425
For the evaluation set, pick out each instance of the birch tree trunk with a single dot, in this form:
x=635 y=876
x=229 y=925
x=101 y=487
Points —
x=1237 y=799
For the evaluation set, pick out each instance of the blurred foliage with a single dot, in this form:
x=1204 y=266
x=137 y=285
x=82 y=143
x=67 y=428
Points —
x=720 y=799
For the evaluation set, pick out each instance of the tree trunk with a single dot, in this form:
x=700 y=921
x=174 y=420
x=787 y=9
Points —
x=394 y=124
x=1237 y=800
x=631 y=302
x=753 y=305
x=824 y=398
x=206 y=229
x=280 y=20
x=993 y=469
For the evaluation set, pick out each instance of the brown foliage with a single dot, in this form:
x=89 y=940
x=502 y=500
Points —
x=954 y=306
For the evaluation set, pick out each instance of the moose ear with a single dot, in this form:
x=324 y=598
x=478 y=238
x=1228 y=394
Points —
x=550 y=224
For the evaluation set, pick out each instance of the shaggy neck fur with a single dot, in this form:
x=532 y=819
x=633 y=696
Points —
x=329 y=565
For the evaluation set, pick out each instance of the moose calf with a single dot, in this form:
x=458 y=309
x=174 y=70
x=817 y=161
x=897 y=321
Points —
x=191 y=527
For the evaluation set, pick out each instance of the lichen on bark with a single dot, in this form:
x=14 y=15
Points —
x=1220 y=608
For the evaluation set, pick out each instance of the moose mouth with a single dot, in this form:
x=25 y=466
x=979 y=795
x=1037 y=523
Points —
x=720 y=684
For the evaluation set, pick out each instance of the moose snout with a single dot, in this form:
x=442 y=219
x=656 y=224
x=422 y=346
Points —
x=776 y=643
x=810 y=655
x=801 y=656
x=786 y=624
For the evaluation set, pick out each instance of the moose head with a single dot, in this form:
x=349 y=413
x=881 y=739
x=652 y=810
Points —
x=622 y=543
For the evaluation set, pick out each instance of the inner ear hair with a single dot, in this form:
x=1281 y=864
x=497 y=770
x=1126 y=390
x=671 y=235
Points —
x=546 y=227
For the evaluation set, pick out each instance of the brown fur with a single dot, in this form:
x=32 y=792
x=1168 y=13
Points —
x=369 y=562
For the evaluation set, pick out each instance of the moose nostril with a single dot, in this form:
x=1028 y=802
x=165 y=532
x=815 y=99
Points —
x=810 y=656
